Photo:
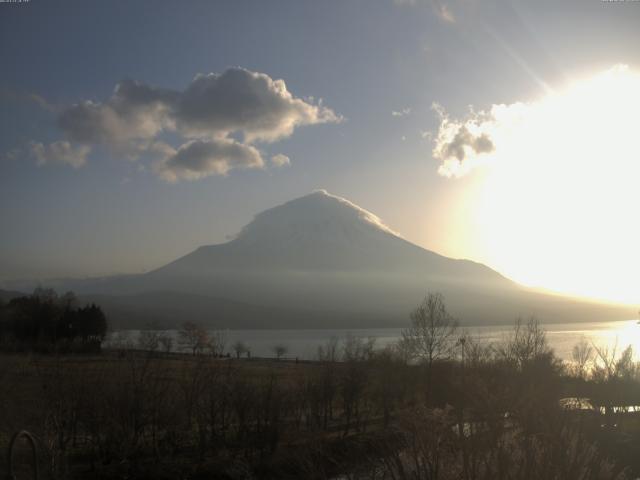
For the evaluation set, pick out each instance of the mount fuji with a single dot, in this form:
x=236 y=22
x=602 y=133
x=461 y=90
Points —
x=320 y=261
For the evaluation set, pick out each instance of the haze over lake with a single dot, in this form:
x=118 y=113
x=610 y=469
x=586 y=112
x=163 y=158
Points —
x=304 y=344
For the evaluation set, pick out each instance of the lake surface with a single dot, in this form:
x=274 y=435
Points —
x=304 y=343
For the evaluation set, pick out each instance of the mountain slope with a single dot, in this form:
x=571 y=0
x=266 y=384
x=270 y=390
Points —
x=324 y=233
x=320 y=260
x=7 y=295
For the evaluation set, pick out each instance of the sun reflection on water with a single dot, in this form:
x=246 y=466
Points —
x=604 y=335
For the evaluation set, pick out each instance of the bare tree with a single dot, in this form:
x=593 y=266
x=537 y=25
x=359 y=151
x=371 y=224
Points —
x=527 y=342
x=193 y=337
x=217 y=343
x=582 y=356
x=149 y=340
x=474 y=352
x=432 y=333
x=357 y=349
x=166 y=342
x=329 y=351
x=239 y=348
x=121 y=341
x=353 y=380
x=611 y=371
x=280 y=350
x=608 y=365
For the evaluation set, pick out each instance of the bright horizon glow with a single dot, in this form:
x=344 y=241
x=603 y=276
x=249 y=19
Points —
x=558 y=198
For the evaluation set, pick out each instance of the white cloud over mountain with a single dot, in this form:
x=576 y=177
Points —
x=218 y=118
x=244 y=102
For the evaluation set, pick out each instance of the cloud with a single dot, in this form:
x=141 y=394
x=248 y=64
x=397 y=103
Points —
x=245 y=102
x=459 y=143
x=237 y=101
x=280 y=160
x=587 y=120
x=227 y=113
x=11 y=155
x=444 y=12
x=441 y=9
x=21 y=96
x=135 y=113
x=401 y=113
x=60 y=152
x=202 y=158
x=463 y=142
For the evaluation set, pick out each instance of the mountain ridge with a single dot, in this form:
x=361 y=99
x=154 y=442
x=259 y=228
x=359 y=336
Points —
x=322 y=261
x=309 y=232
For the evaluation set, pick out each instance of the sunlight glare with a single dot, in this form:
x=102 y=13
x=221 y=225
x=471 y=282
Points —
x=558 y=206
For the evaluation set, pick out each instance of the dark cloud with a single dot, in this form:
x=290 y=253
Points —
x=197 y=159
x=135 y=112
x=246 y=102
x=460 y=144
x=463 y=141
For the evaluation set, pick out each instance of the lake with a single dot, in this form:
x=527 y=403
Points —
x=304 y=343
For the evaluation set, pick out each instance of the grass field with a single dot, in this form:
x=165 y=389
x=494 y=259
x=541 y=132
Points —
x=134 y=414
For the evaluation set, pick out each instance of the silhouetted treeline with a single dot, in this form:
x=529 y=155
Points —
x=136 y=416
x=46 y=321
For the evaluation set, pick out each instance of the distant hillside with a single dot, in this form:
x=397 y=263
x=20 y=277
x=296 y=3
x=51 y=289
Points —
x=6 y=295
x=171 y=309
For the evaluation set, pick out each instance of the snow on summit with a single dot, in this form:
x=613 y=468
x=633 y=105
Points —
x=318 y=212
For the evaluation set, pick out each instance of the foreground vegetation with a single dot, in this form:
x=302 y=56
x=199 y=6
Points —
x=436 y=406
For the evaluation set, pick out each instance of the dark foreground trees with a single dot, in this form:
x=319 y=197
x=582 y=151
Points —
x=45 y=321
x=356 y=413
x=163 y=417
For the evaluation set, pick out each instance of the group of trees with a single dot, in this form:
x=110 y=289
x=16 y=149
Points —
x=357 y=412
x=197 y=340
x=439 y=405
x=46 y=320
x=191 y=338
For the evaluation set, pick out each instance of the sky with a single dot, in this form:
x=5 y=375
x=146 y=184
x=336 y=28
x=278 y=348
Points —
x=503 y=132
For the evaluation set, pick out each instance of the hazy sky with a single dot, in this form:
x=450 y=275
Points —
x=133 y=132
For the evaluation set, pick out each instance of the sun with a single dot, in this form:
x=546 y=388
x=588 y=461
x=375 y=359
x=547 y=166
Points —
x=558 y=203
